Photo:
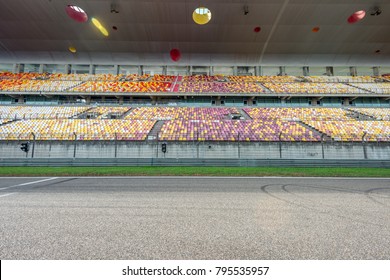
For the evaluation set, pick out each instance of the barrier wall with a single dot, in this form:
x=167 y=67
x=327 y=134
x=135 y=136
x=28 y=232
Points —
x=196 y=150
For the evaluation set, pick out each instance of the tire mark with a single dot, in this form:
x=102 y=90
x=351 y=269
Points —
x=320 y=211
x=369 y=195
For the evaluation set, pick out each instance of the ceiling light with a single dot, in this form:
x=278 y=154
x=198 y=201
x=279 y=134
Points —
x=201 y=15
x=72 y=49
x=99 y=26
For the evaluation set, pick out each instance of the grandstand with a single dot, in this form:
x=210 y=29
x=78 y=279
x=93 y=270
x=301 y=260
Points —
x=242 y=91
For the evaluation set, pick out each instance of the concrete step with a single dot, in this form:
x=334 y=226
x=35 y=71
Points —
x=325 y=137
x=153 y=134
x=359 y=116
x=127 y=113
x=8 y=122
x=244 y=114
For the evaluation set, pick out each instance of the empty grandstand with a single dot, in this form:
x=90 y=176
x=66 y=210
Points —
x=256 y=90
x=153 y=97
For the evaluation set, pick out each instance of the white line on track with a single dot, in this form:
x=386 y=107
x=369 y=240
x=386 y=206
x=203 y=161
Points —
x=225 y=177
x=28 y=183
x=8 y=194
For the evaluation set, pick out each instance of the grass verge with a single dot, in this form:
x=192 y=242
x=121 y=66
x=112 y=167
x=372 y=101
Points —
x=197 y=171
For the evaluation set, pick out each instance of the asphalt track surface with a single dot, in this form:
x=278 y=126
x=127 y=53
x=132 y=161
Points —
x=194 y=218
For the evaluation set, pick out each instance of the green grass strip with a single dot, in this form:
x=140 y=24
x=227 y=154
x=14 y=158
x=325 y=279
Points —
x=196 y=171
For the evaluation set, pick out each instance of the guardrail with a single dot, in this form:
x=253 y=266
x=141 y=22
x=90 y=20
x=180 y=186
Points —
x=58 y=162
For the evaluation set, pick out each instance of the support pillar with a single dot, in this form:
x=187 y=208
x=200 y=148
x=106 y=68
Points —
x=235 y=70
x=282 y=70
x=353 y=71
x=375 y=71
x=92 y=69
x=306 y=71
x=68 y=68
x=329 y=71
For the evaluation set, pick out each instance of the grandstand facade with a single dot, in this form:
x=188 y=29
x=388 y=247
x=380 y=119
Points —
x=143 y=113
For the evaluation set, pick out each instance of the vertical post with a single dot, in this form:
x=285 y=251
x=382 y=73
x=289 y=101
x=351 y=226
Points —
x=75 y=142
x=116 y=145
x=116 y=69
x=280 y=144
x=91 y=69
x=329 y=71
x=67 y=68
x=33 y=145
x=353 y=71
x=364 y=144
x=239 y=151
x=197 y=144
x=157 y=146
x=15 y=68
x=375 y=70
x=282 y=70
x=258 y=70
x=306 y=71
x=211 y=70
x=322 y=146
x=235 y=70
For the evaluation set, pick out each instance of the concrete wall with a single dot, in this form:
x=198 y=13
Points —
x=206 y=150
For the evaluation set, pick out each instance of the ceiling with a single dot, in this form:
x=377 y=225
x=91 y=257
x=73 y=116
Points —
x=39 y=31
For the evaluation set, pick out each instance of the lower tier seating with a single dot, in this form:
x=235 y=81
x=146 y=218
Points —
x=354 y=130
x=65 y=129
x=232 y=130
x=298 y=113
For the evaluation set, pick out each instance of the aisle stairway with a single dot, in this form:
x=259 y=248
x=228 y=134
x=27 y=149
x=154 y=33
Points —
x=153 y=134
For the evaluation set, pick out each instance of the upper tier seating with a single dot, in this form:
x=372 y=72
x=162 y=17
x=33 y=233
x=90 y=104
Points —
x=164 y=78
x=187 y=113
x=341 y=79
x=220 y=87
x=64 y=129
x=19 y=76
x=73 y=77
x=119 y=87
x=316 y=88
x=382 y=88
x=36 y=85
x=204 y=78
x=70 y=83
x=262 y=79
x=40 y=112
x=377 y=113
